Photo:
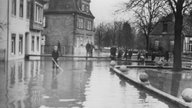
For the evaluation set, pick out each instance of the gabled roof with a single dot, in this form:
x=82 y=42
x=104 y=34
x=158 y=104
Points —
x=66 y=7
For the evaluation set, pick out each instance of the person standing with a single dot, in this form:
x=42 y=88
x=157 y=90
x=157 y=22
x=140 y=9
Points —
x=113 y=51
x=91 y=49
x=55 y=56
x=130 y=53
x=88 y=48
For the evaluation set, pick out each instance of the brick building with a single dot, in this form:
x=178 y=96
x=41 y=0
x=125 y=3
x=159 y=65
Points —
x=22 y=25
x=163 y=34
x=70 y=23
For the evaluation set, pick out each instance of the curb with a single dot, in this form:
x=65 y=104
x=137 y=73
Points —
x=153 y=67
x=149 y=88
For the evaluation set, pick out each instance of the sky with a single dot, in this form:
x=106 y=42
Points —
x=103 y=10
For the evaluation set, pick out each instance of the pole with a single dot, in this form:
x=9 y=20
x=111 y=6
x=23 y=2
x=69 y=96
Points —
x=57 y=65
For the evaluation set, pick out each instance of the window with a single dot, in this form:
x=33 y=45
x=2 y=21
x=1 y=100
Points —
x=83 y=7
x=38 y=13
x=165 y=27
x=156 y=44
x=13 y=8
x=190 y=46
x=20 y=73
x=37 y=43
x=87 y=8
x=21 y=8
x=12 y=82
x=13 y=43
x=28 y=9
x=33 y=43
x=80 y=23
x=20 y=44
x=89 y=25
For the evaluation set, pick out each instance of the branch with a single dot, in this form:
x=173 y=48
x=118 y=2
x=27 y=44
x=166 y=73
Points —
x=171 y=5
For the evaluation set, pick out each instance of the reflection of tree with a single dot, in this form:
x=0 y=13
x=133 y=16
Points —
x=176 y=78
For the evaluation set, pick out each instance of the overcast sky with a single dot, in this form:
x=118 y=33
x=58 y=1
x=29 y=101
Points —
x=103 y=10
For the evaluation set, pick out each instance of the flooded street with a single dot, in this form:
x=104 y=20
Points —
x=82 y=84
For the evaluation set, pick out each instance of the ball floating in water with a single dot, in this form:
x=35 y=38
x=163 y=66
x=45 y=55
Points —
x=143 y=77
x=123 y=68
x=187 y=95
x=112 y=63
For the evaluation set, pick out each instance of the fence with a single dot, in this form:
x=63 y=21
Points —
x=2 y=54
x=64 y=49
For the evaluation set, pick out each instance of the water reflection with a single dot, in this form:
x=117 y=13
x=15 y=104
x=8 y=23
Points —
x=169 y=81
x=54 y=84
x=3 y=85
x=82 y=84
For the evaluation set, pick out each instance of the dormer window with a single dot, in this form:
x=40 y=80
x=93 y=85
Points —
x=85 y=7
x=165 y=28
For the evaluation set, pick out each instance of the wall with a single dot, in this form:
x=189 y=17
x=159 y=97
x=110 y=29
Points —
x=60 y=28
x=3 y=19
x=18 y=25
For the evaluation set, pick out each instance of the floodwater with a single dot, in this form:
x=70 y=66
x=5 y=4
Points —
x=81 y=84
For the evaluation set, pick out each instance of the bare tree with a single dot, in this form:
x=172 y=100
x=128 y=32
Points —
x=179 y=8
x=147 y=13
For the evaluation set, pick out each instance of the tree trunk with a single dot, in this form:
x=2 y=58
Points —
x=177 y=63
x=147 y=42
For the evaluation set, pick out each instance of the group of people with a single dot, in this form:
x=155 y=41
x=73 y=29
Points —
x=121 y=53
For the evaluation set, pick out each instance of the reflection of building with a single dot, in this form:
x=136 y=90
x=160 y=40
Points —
x=69 y=84
x=69 y=22
x=163 y=35
x=3 y=85
x=17 y=90
x=22 y=28
x=24 y=85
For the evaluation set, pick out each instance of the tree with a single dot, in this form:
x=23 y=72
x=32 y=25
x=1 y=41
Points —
x=179 y=8
x=147 y=13
x=127 y=35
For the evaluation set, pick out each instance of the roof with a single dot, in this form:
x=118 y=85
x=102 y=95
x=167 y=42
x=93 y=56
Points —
x=66 y=7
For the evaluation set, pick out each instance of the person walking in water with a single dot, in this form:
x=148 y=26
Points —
x=55 y=56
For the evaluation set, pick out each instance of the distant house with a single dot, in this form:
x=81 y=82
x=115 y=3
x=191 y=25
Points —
x=70 y=23
x=162 y=36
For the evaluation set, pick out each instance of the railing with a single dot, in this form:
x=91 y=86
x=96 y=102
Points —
x=64 y=49
x=2 y=54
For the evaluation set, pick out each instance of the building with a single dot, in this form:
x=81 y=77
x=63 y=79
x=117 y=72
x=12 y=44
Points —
x=22 y=25
x=162 y=36
x=70 y=23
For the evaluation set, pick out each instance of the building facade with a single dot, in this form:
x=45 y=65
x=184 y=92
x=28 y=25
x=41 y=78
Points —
x=69 y=23
x=162 y=36
x=21 y=33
